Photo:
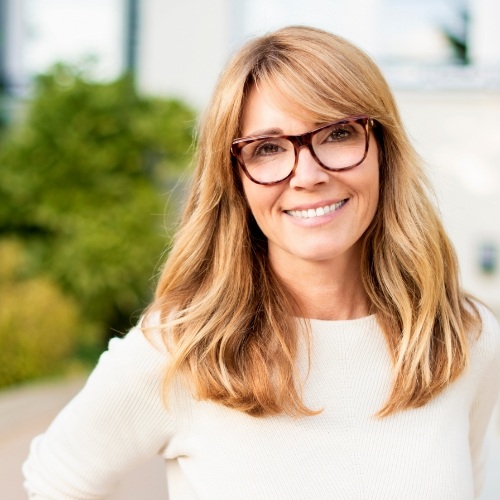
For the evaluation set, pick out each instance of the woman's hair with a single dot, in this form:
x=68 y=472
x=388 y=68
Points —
x=228 y=321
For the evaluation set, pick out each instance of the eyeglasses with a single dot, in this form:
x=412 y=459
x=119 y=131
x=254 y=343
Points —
x=269 y=159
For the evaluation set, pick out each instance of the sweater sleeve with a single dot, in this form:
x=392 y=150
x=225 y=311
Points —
x=117 y=421
x=485 y=357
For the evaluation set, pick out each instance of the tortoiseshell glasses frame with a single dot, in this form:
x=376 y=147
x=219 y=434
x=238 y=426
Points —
x=304 y=140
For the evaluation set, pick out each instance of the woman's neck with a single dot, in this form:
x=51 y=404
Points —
x=326 y=291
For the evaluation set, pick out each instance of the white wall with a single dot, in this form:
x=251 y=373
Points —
x=183 y=45
x=458 y=135
x=484 y=32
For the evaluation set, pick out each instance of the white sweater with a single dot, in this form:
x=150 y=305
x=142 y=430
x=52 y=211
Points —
x=212 y=452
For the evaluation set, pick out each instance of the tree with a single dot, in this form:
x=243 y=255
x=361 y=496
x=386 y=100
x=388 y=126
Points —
x=33 y=314
x=82 y=182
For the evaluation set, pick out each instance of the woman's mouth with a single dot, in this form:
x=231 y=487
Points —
x=316 y=212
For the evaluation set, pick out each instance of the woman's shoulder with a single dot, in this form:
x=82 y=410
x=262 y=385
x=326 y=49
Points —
x=141 y=349
x=486 y=347
x=116 y=421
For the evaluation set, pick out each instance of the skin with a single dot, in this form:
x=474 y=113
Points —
x=317 y=257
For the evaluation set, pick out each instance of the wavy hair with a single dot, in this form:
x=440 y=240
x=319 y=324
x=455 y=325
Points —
x=228 y=321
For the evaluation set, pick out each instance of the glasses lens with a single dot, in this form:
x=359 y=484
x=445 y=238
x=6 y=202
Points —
x=268 y=160
x=340 y=145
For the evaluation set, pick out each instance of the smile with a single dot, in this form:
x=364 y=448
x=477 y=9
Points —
x=315 y=212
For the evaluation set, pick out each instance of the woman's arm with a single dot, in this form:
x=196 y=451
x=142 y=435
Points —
x=117 y=421
x=486 y=357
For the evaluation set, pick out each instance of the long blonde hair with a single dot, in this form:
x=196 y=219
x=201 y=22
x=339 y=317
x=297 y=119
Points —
x=228 y=321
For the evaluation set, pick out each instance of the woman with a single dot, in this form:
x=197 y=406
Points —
x=309 y=337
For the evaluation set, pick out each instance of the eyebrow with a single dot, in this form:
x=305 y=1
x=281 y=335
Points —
x=275 y=131
x=268 y=131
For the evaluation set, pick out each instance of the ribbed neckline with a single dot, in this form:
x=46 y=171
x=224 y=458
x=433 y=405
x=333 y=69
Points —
x=358 y=324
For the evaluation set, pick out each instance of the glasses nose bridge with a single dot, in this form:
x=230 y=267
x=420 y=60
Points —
x=300 y=141
x=303 y=140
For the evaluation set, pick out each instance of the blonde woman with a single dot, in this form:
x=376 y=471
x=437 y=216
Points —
x=309 y=338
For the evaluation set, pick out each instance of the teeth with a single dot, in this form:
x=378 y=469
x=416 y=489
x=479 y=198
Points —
x=309 y=214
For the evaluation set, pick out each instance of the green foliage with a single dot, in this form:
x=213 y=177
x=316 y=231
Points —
x=82 y=182
x=38 y=324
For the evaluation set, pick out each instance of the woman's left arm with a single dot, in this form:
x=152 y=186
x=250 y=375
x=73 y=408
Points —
x=486 y=358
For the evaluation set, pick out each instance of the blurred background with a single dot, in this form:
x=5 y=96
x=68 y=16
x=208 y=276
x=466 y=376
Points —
x=98 y=104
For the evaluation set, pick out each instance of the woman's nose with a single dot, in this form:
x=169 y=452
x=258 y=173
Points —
x=308 y=173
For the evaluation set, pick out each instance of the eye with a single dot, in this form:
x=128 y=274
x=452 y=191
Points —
x=265 y=149
x=268 y=148
x=338 y=134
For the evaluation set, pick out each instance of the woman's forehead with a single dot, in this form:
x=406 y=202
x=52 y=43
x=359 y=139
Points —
x=265 y=101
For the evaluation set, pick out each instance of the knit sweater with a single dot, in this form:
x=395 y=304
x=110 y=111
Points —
x=212 y=452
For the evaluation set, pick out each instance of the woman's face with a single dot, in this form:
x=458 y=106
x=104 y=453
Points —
x=352 y=195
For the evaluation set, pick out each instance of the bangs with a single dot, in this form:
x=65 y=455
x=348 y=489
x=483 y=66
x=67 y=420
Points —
x=312 y=88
